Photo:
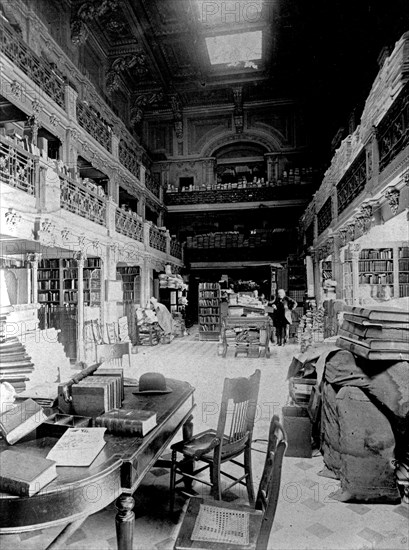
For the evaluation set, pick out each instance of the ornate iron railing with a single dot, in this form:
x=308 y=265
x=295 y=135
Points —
x=393 y=130
x=94 y=125
x=352 y=183
x=175 y=249
x=17 y=167
x=129 y=159
x=127 y=223
x=324 y=216
x=250 y=194
x=38 y=69
x=152 y=185
x=157 y=238
x=76 y=198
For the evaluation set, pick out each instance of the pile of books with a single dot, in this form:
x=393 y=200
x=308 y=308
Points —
x=15 y=364
x=377 y=333
x=95 y=395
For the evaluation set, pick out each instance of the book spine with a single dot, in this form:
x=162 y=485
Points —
x=19 y=488
x=120 y=426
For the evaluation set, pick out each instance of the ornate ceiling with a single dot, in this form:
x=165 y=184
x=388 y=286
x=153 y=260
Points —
x=323 y=54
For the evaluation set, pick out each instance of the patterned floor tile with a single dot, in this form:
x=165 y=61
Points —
x=312 y=504
x=360 y=509
x=371 y=536
x=29 y=535
x=319 y=530
x=402 y=510
x=78 y=536
x=159 y=472
x=304 y=465
x=309 y=483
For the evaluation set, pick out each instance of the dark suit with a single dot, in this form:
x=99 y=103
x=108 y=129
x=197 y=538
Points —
x=282 y=316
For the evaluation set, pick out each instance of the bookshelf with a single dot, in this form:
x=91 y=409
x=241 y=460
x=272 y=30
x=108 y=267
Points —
x=209 y=311
x=57 y=281
x=130 y=282
x=403 y=271
x=375 y=268
x=326 y=270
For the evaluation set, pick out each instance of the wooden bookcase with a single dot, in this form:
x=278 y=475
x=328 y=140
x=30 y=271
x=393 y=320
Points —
x=209 y=311
x=326 y=270
x=403 y=270
x=375 y=268
x=57 y=281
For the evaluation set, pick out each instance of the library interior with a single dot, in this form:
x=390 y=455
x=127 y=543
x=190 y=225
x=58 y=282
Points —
x=204 y=273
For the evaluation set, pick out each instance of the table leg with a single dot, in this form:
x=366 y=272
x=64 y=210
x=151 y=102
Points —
x=124 y=521
x=188 y=466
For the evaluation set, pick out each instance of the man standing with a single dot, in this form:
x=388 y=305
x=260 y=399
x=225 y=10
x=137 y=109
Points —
x=282 y=317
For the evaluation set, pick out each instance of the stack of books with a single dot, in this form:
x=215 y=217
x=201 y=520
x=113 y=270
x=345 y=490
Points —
x=15 y=364
x=95 y=395
x=377 y=333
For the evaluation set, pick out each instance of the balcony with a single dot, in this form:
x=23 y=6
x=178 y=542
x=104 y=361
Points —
x=17 y=166
x=235 y=194
x=84 y=201
x=157 y=238
x=90 y=120
x=353 y=182
x=41 y=72
x=176 y=249
x=233 y=246
x=129 y=223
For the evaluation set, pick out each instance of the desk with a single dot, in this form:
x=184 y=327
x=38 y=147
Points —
x=116 y=473
x=244 y=323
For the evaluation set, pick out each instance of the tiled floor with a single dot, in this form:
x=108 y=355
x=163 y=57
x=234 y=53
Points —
x=306 y=517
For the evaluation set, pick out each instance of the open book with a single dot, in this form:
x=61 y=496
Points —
x=78 y=447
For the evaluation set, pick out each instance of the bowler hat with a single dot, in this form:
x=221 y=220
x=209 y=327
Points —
x=152 y=382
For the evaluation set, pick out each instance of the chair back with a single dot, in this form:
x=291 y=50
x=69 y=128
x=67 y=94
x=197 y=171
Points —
x=269 y=488
x=237 y=413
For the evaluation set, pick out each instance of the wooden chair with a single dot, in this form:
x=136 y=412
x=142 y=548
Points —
x=231 y=439
x=112 y=354
x=210 y=524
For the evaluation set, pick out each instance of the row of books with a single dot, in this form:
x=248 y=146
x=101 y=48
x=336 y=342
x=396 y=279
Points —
x=378 y=333
x=404 y=277
x=46 y=274
x=209 y=310
x=209 y=286
x=208 y=303
x=209 y=328
x=376 y=278
x=208 y=294
x=375 y=265
x=209 y=319
x=376 y=254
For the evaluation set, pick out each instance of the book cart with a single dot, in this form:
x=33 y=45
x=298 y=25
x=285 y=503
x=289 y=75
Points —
x=249 y=335
x=209 y=311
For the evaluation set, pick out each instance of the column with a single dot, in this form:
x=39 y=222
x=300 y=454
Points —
x=309 y=266
x=272 y=166
x=141 y=206
x=167 y=242
x=337 y=267
x=33 y=259
x=355 y=248
x=110 y=216
x=80 y=257
x=146 y=290
x=115 y=145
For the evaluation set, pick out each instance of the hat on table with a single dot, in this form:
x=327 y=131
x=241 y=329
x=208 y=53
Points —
x=152 y=382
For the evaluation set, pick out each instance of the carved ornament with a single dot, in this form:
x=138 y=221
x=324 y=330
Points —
x=392 y=195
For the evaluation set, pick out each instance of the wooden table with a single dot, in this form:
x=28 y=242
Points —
x=254 y=322
x=116 y=473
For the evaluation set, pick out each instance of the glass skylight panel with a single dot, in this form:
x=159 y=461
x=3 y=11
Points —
x=235 y=49
x=221 y=12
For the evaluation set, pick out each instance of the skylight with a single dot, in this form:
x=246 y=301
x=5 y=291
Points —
x=235 y=49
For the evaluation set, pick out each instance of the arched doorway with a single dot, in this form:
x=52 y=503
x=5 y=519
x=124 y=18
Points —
x=239 y=163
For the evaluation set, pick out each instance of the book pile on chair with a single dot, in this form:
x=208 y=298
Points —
x=377 y=333
x=149 y=334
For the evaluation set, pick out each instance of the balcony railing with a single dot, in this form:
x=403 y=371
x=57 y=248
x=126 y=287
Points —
x=128 y=223
x=353 y=182
x=324 y=216
x=157 y=238
x=17 y=166
x=77 y=198
x=175 y=249
x=233 y=195
x=393 y=130
x=94 y=125
x=152 y=185
x=38 y=69
x=129 y=159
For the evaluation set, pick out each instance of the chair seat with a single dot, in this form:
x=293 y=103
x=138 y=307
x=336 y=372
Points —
x=199 y=445
x=208 y=522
